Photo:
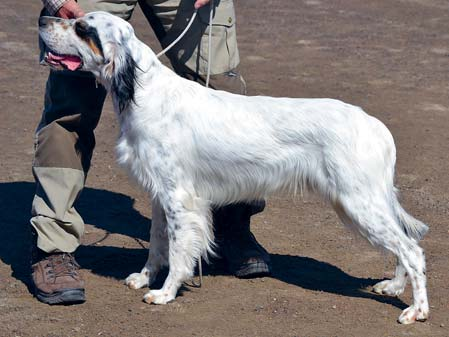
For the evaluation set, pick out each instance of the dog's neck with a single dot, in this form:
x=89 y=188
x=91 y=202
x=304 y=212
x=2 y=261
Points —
x=139 y=66
x=146 y=60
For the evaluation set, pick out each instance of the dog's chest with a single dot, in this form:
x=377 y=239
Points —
x=142 y=154
x=134 y=157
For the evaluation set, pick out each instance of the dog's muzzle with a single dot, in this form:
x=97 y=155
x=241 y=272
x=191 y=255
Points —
x=52 y=58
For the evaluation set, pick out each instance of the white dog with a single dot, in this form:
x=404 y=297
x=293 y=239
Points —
x=192 y=147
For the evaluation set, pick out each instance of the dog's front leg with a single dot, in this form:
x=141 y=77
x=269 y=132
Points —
x=189 y=235
x=158 y=252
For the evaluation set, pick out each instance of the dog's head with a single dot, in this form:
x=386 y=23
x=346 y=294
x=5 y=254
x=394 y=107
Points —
x=99 y=43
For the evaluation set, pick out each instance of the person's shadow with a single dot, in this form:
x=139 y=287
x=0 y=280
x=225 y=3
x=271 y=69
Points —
x=115 y=213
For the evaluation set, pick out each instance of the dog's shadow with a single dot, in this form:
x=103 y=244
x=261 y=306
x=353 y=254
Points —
x=316 y=275
x=114 y=213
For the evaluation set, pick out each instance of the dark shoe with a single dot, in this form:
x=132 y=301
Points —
x=244 y=256
x=57 y=279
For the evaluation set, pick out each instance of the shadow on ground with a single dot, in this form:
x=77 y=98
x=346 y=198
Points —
x=110 y=211
x=114 y=213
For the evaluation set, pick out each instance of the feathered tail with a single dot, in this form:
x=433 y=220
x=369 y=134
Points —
x=413 y=227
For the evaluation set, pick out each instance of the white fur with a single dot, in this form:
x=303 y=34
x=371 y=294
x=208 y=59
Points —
x=191 y=147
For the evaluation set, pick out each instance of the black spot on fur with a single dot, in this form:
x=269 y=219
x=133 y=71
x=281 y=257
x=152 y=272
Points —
x=124 y=83
x=171 y=234
x=86 y=32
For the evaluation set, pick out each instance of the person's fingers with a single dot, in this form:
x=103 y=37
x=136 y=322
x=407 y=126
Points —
x=70 y=10
x=201 y=3
x=61 y=14
x=79 y=13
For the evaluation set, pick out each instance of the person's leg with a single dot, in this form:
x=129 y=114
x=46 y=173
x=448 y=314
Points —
x=63 y=150
x=245 y=257
x=189 y=57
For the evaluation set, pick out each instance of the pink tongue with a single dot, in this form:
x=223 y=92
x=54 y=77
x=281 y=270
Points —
x=71 y=62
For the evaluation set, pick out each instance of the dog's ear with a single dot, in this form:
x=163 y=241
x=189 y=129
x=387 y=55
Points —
x=121 y=68
x=109 y=67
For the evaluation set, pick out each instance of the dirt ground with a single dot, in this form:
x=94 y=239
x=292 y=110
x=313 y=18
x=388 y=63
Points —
x=389 y=57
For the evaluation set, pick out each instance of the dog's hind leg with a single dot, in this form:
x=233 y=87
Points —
x=190 y=236
x=395 y=286
x=375 y=220
x=158 y=252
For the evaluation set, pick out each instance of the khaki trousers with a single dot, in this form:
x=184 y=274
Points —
x=65 y=136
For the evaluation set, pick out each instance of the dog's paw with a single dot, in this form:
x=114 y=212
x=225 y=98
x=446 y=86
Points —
x=137 y=280
x=412 y=314
x=158 y=297
x=389 y=287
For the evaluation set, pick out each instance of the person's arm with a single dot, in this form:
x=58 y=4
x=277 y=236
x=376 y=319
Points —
x=66 y=9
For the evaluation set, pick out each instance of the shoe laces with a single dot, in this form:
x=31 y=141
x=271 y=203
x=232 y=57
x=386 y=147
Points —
x=62 y=265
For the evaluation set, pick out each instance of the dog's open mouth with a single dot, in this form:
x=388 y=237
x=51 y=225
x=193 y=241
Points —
x=70 y=62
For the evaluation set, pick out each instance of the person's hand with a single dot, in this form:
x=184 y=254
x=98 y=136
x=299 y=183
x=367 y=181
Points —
x=70 y=10
x=201 y=3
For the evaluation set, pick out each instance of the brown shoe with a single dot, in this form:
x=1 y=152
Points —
x=57 y=279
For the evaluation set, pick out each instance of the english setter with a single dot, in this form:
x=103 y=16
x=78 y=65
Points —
x=191 y=147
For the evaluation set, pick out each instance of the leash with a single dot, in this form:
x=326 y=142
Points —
x=170 y=46
x=209 y=62
x=209 y=45
x=184 y=32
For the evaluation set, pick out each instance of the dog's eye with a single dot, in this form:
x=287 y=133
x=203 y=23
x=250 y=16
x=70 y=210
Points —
x=81 y=28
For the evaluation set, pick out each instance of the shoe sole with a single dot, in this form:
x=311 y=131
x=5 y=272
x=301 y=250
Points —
x=253 y=270
x=66 y=296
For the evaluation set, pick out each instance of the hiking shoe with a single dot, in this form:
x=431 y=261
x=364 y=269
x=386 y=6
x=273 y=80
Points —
x=57 y=279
